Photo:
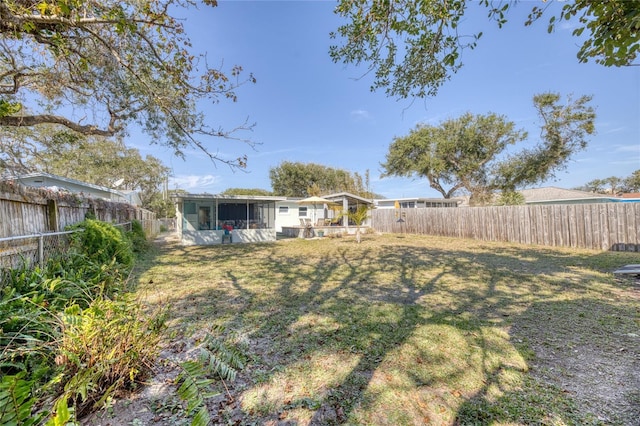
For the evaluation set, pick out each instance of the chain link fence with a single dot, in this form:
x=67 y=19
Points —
x=37 y=249
x=34 y=249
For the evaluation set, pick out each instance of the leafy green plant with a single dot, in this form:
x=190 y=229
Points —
x=68 y=332
x=359 y=216
x=216 y=358
x=138 y=238
x=16 y=401
x=102 y=242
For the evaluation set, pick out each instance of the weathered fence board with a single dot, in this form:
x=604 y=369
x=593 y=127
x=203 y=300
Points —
x=26 y=211
x=610 y=226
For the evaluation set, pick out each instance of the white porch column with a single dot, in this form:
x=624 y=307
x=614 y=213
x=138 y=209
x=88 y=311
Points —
x=345 y=208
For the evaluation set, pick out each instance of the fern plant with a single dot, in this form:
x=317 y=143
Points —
x=17 y=400
x=217 y=359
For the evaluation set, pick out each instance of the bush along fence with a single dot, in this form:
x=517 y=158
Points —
x=607 y=226
x=33 y=221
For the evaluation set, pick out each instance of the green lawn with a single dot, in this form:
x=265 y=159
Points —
x=405 y=330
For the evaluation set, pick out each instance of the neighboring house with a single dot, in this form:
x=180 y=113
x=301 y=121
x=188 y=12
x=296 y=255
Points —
x=132 y=196
x=554 y=195
x=631 y=197
x=415 y=203
x=205 y=219
x=46 y=180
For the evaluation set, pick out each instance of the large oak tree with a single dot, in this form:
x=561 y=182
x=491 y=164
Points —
x=470 y=153
x=98 y=67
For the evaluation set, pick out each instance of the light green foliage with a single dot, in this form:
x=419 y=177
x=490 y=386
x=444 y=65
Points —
x=413 y=47
x=68 y=333
x=103 y=243
x=613 y=185
x=8 y=108
x=423 y=33
x=358 y=217
x=613 y=28
x=127 y=62
x=465 y=153
x=138 y=238
x=510 y=198
x=564 y=131
x=632 y=183
x=291 y=179
x=62 y=414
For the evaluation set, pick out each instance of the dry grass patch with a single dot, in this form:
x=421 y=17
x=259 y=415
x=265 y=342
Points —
x=412 y=329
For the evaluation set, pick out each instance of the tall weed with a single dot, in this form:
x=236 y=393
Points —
x=106 y=349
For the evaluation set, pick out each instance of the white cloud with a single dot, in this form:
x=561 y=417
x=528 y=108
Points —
x=360 y=115
x=188 y=182
x=568 y=25
x=614 y=130
x=628 y=148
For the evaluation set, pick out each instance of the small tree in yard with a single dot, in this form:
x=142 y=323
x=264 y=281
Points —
x=358 y=217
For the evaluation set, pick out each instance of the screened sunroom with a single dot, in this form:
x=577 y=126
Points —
x=205 y=219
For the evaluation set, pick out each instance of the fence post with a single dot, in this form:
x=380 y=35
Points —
x=52 y=208
x=41 y=250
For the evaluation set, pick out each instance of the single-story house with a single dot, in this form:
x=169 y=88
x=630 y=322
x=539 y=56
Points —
x=204 y=219
x=47 y=180
x=415 y=203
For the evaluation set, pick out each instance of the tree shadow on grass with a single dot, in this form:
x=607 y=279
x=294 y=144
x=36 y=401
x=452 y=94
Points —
x=583 y=368
x=365 y=306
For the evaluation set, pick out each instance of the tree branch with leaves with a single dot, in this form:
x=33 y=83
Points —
x=99 y=67
x=413 y=47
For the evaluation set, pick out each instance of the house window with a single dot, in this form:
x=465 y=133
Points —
x=283 y=210
x=189 y=208
x=302 y=211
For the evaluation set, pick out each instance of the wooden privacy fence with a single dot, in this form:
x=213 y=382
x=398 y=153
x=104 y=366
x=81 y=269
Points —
x=606 y=226
x=25 y=211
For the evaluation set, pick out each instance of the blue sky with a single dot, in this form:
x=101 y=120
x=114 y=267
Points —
x=309 y=109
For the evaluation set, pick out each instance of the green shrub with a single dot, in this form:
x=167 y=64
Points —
x=102 y=242
x=67 y=331
x=138 y=237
